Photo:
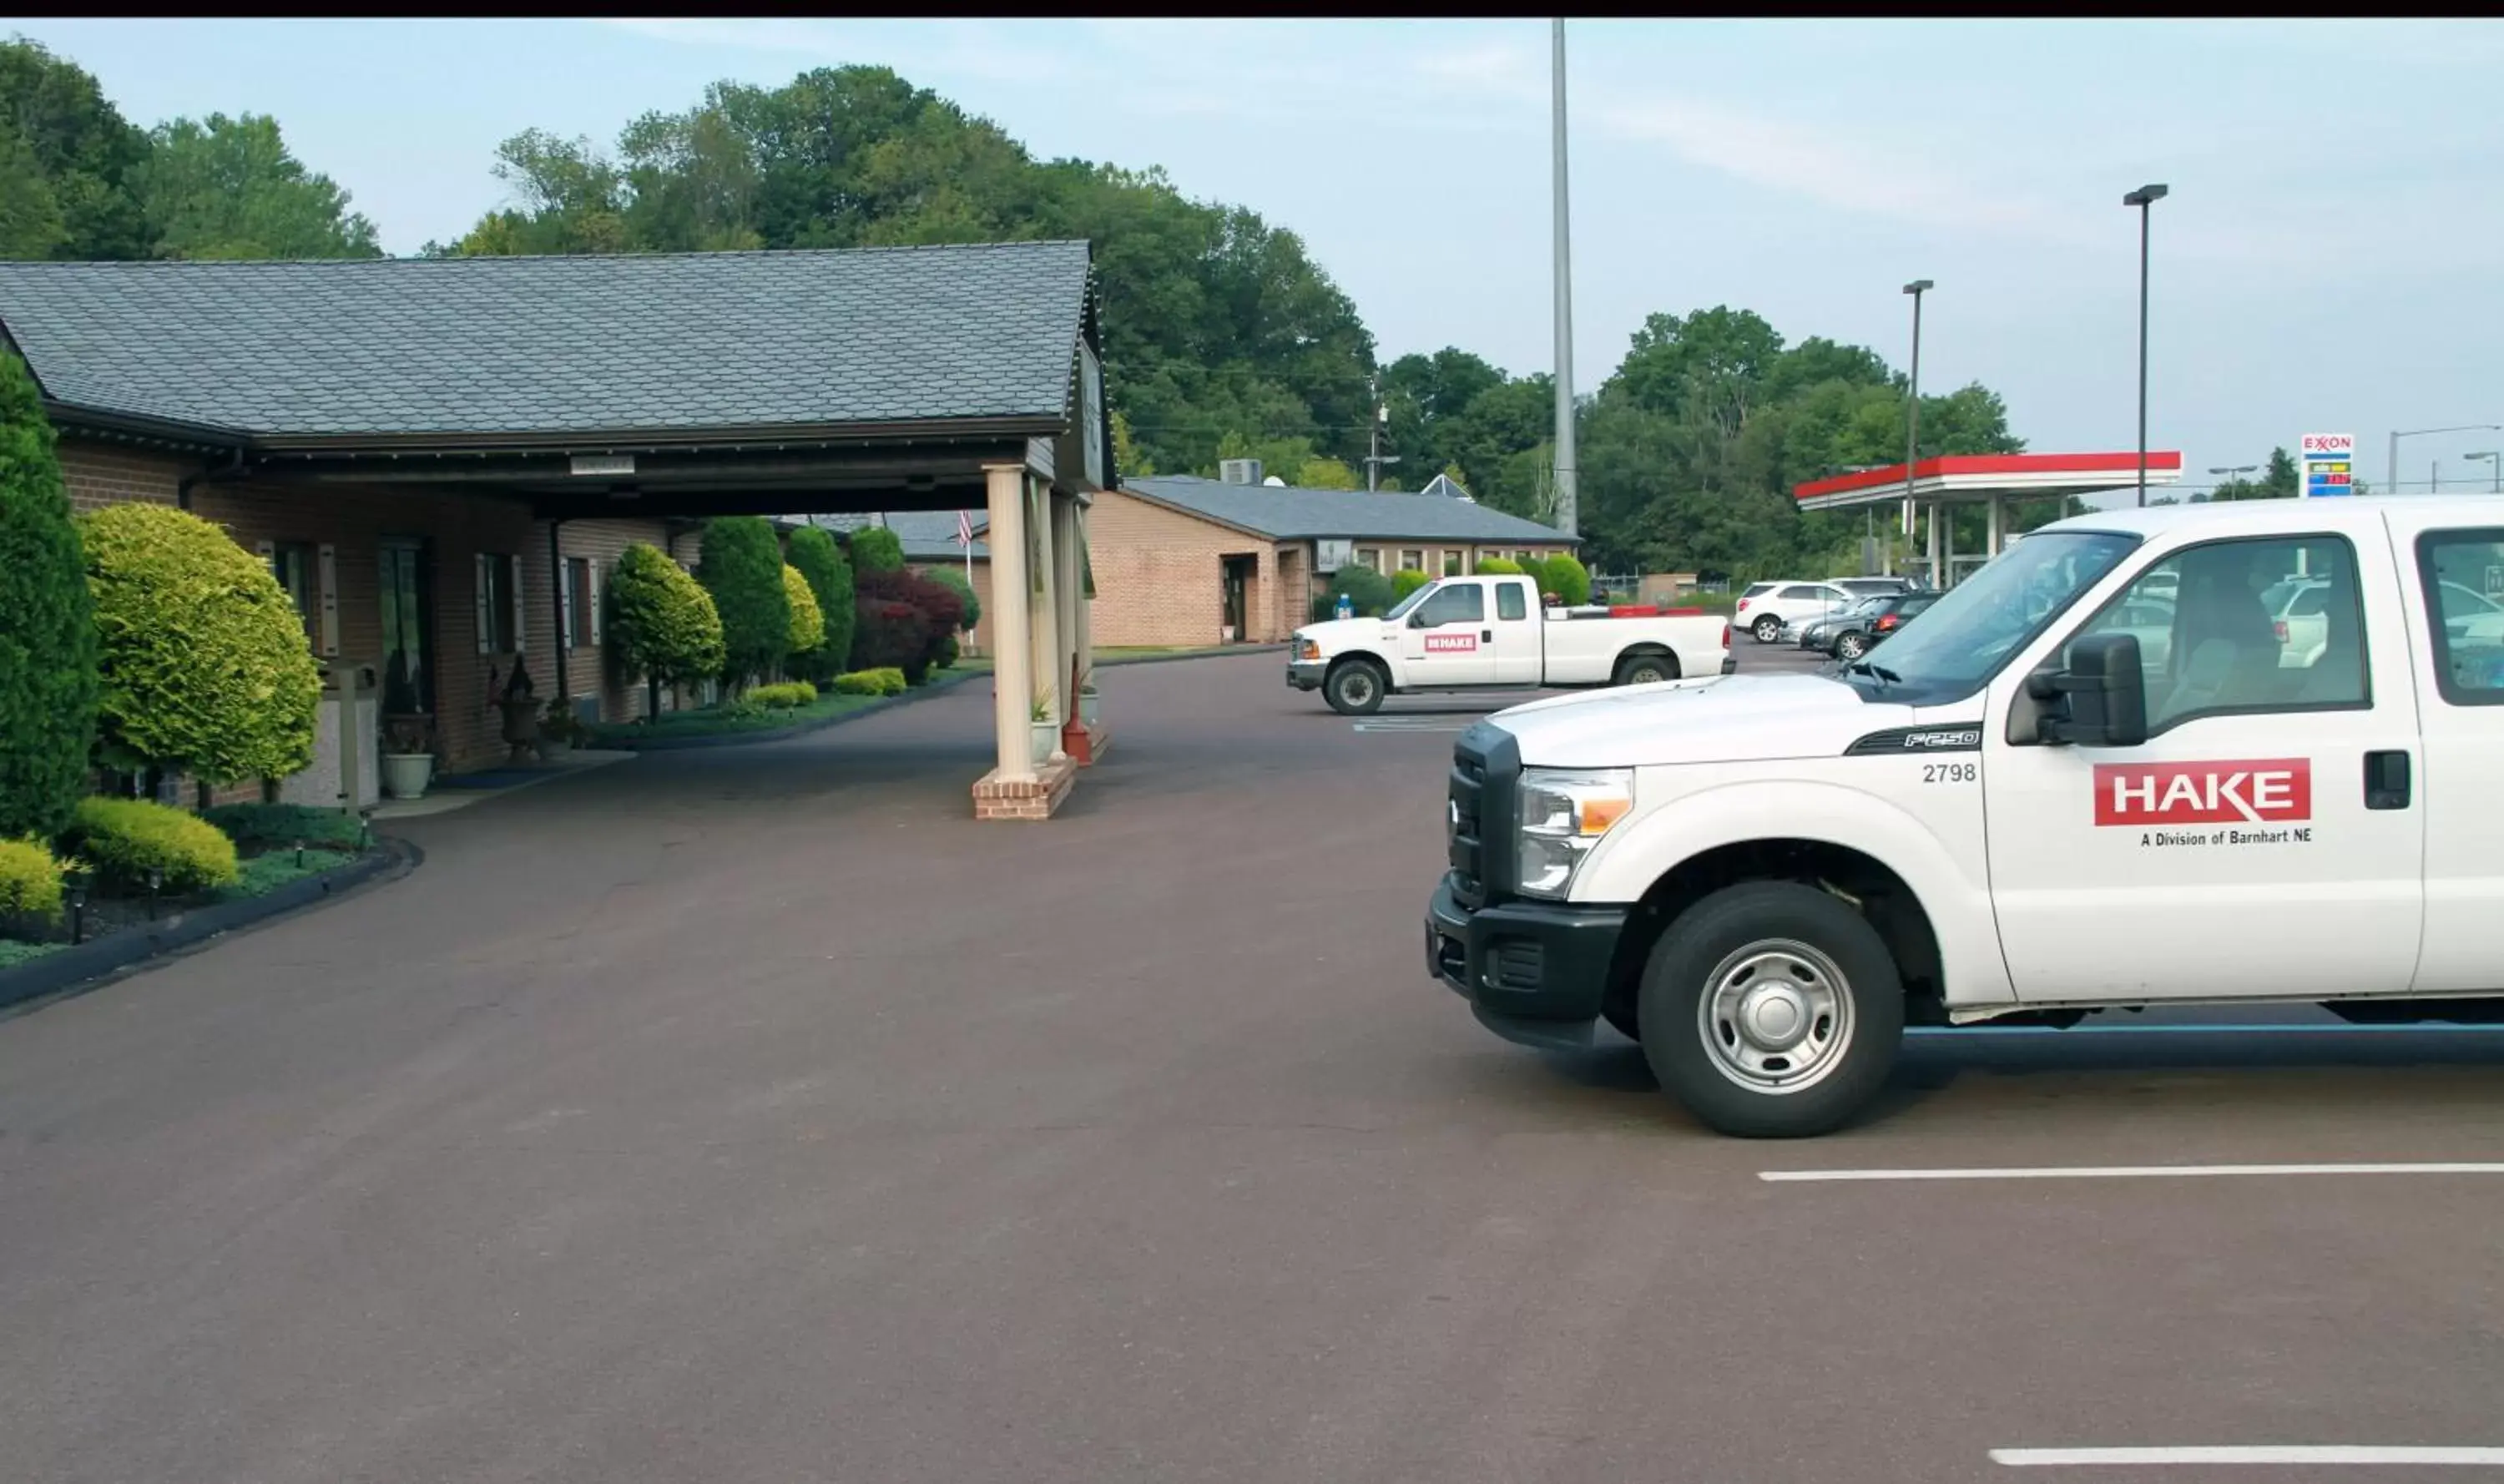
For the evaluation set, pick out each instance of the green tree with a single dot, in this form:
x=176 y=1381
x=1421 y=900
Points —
x=1368 y=591
x=1127 y=460
x=2277 y=482
x=830 y=581
x=1407 y=580
x=200 y=653
x=66 y=154
x=662 y=626
x=739 y=563
x=808 y=624
x=1565 y=575
x=1323 y=473
x=954 y=581
x=48 y=664
x=876 y=549
x=227 y=188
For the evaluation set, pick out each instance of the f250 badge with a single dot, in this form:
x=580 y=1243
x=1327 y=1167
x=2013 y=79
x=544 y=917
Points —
x=1451 y=643
x=2241 y=791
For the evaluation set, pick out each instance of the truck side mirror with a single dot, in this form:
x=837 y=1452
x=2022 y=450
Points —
x=1417 y=619
x=2099 y=699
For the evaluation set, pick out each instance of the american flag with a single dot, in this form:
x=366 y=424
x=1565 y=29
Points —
x=965 y=529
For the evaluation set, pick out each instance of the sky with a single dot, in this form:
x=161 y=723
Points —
x=2327 y=260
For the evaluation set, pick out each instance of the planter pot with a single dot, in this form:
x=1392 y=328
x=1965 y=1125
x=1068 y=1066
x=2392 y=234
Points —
x=1044 y=735
x=1225 y=634
x=405 y=774
x=1087 y=710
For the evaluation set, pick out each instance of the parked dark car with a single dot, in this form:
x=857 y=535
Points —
x=1869 y=627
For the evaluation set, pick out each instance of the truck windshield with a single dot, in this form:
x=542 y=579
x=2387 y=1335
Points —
x=1961 y=639
x=1401 y=609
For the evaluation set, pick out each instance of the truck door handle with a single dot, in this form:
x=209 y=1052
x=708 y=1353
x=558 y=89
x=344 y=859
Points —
x=2386 y=781
x=1486 y=636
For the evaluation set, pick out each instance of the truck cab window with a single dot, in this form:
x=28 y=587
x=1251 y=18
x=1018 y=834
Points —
x=2462 y=572
x=1458 y=602
x=1510 y=604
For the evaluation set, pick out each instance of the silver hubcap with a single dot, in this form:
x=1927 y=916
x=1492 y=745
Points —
x=1357 y=688
x=1644 y=674
x=1776 y=1017
x=1850 y=647
x=1767 y=630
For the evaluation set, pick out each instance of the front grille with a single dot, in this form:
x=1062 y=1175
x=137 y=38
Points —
x=1485 y=761
x=1514 y=963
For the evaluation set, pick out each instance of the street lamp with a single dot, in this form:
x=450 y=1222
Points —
x=2234 y=471
x=1913 y=411
x=2391 y=466
x=2143 y=197
x=2495 y=459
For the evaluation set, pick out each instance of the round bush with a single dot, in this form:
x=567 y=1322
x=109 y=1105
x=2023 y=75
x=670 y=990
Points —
x=1407 y=580
x=30 y=881
x=808 y=624
x=1368 y=591
x=891 y=634
x=662 y=627
x=124 y=838
x=1499 y=567
x=942 y=613
x=201 y=653
x=1566 y=577
x=876 y=549
x=741 y=566
x=830 y=581
x=47 y=682
x=954 y=581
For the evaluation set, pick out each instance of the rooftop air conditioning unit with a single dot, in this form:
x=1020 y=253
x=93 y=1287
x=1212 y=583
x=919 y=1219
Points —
x=1238 y=471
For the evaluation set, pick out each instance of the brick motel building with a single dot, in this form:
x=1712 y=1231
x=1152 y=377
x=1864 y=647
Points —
x=1186 y=560
x=442 y=458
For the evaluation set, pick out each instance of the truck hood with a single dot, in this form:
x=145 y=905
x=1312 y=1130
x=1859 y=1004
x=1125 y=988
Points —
x=1335 y=635
x=1738 y=718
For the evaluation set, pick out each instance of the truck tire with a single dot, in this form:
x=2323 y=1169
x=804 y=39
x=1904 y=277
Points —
x=1768 y=629
x=1647 y=669
x=1772 y=1010
x=1851 y=645
x=1356 y=688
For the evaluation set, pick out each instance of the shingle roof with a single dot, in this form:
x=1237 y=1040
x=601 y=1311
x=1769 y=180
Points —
x=926 y=536
x=591 y=344
x=1291 y=513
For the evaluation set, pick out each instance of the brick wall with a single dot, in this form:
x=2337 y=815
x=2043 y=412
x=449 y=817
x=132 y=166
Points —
x=97 y=477
x=601 y=542
x=1160 y=575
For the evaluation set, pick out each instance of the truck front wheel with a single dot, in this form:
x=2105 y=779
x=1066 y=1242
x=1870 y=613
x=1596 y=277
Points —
x=1771 y=1011
x=1356 y=688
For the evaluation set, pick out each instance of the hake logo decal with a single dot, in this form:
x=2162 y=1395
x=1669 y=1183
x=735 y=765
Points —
x=1451 y=643
x=2242 y=791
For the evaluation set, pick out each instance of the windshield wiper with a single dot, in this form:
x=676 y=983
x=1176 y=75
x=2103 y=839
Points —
x=1880 y=672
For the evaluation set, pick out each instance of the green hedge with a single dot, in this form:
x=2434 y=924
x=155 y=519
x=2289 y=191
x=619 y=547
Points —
x=1407 y=580
x=30 y=881
x=808 y=622
x=662 y=627
x=783 y=697
x=886 y=680
x=876 y=549
x=202 y=654
x=1499 y=567
x=954 y=581
x=1566 y=577
x=283 y=826
x=741 y=568
x=47 y=680
x=830 y=581
x=124 y=837
x=1368 y=591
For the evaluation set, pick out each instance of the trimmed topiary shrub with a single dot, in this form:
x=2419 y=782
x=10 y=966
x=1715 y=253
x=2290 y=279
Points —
x=870 y=682
x=1407 y=580
x=201 y=653
x=741 y=568
x=784 y=696
x=830 y=581
x=125 y=837
x=891 y=634
x=1367 y=590
x=942 y=613
x=808 y=624
x=47 y=681
x=278 y=826
x=1566 y=577
x=876 y=549
x=954 y=581
x=30 y=881
x=662 y=628
x=1499 y=567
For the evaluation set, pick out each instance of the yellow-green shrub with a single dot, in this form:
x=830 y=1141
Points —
x=784 y=696
x=30 y=881
x=808 y=621
x=201 y=652
x=886 y=680
x=125 y=837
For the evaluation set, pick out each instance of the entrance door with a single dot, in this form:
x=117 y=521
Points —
x=2243 y=848
x=1238 y=578
x=1448 y=641
x=408 y=629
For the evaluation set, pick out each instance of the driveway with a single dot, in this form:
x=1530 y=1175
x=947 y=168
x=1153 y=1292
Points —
x=751 y=1114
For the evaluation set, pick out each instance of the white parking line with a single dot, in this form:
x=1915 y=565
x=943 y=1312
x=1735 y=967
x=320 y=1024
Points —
x=1411 y=726
x=2127 y=1172
x=2142 y=1458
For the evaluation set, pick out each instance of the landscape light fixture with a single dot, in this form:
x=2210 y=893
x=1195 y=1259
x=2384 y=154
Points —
x=2143 y=197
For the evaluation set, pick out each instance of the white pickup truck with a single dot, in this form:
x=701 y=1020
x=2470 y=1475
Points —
x=2099 y=773
x=1490 y=632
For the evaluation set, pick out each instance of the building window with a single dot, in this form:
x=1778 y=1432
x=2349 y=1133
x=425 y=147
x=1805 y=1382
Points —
x=499 y=610
x=1413 y=559
x=292 y=563
x=578 y=604
x=1369 y=558
x=1451 y=564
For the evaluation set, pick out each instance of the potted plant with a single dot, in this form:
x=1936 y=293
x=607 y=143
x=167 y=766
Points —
x=1044 y=733
x=1087 y=700
x=408 y=758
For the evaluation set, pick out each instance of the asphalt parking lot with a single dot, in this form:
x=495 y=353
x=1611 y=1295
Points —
x=751 y=1114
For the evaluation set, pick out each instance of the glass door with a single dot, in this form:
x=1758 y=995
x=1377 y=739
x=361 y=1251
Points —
x=409 y=629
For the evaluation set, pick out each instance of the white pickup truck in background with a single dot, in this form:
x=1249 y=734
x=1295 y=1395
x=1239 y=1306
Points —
x=2118 y=767
x=1490 y=632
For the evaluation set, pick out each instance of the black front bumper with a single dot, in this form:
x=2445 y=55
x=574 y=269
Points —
x=1533 y=972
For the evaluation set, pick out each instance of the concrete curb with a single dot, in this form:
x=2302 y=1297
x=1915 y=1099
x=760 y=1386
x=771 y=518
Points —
x=885 y=703
x=72 y=969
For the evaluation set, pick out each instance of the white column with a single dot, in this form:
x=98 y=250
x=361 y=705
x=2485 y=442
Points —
x=1085 y=624
x=1045 y=606
x=1067 y=599
x=1011 y=680
x=1991 y=544
x=1938 y=573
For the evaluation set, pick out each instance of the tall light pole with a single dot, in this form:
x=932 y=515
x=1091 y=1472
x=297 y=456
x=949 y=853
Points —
x=1913 y=411
x=2495 y=458
x=1566 y=508
x=2391 y=466
x=2234 y=471
x=2143 y=197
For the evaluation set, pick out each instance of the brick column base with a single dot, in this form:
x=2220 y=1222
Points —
x=997 y=798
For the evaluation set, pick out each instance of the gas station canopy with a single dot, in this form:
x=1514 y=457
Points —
x=1981 y=478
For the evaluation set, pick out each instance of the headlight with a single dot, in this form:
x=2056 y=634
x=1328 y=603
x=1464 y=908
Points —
x=1563 y=814
x=1308 y=649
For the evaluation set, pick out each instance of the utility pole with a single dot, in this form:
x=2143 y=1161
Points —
x=1374 y=456
x=1567 y=511
x=1913 y=418
x=2144 y=198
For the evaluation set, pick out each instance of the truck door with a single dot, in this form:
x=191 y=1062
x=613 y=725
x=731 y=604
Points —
x=1519 y=656
x=2253 y=845
x=2457 y=574
x=1448 y=641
